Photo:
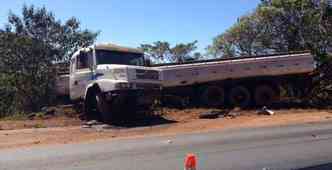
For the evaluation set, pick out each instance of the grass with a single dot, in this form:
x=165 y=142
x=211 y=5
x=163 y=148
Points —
x=21 y=116
x=16 y=116
x=39 y=125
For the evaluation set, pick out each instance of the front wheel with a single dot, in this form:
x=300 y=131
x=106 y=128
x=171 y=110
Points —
x=103 y=107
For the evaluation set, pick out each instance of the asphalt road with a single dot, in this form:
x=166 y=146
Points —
x=288 y=147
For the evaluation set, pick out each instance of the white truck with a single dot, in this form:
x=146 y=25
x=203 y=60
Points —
x=110 y=79
x=242 y=82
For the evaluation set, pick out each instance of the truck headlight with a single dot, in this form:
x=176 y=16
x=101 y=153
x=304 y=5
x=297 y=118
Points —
x=120 y=74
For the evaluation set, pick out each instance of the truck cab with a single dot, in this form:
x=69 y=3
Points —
x=107 y=76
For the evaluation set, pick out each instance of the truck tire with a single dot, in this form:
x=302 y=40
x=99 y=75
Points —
x=240 y=96
x=90 y=107
x=212 y=96
x=265 y=95
x=104 y=108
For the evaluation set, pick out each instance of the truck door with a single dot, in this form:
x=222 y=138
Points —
x=81 y=74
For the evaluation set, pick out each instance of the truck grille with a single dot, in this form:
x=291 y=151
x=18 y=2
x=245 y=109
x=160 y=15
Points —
x=147 y=74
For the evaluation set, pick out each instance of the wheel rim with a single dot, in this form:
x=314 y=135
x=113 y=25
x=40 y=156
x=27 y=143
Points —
x=240 y=96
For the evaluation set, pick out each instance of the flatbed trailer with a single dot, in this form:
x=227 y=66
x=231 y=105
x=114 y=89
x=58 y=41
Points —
x=242 y=82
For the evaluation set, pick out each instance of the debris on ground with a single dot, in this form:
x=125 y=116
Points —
x=31 y=116
x=232 y=114
x=52 y=111
x=98 y=126
x=102 y=127
x=37 y=142
x=86 y=126
x=92 y=123
x=105 y=126
x=39 y=126
x=48 y=110
x=214 y=114
x=265 y=111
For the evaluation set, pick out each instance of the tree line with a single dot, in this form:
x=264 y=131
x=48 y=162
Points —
x=275 y=26
x=163 y=52
x=279 y=26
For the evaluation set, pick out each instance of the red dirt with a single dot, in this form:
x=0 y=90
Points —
x=186 y=122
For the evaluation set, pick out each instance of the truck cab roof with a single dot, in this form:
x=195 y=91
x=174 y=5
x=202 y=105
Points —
x=114 y=47
x=110 y=47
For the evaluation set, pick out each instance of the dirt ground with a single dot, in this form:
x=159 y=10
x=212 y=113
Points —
x=64 y=129
x=61 y=116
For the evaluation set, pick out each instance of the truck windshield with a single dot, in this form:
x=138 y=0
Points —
x=115 y=57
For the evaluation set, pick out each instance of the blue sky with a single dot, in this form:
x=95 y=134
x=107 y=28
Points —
x=132 y=22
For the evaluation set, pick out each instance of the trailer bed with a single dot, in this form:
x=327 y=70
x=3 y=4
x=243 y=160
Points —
x=236 y=68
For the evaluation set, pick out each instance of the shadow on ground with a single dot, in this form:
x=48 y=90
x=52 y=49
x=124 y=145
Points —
x=291 y=104
x=180 y=103
x=319 y=167
x=141 y=120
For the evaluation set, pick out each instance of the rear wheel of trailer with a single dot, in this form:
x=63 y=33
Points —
x=265 y=95
x=239 y=96
x=212 y=96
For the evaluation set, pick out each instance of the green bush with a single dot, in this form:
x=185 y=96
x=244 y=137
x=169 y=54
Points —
x=7 y=93
x=27 y=78
x=29 y=46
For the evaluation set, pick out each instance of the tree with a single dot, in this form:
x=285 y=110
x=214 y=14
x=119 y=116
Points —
x=279 y=26
x=245 y=38
x=303 y=24
x=222 y=46
x=182 y=52
x=29 y=46
x=40 y=24
x=196 y=56
x=27 y=76
x=162 y=52
x=158 y=51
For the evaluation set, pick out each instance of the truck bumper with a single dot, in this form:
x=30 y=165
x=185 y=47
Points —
x=133 y=97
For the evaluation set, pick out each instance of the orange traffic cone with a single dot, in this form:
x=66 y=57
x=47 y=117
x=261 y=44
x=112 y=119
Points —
x=190 y=162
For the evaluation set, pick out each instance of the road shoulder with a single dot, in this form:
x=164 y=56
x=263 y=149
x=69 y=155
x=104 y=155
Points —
x=36 y=137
